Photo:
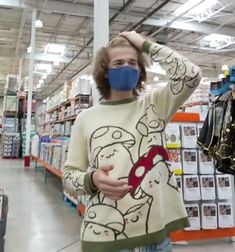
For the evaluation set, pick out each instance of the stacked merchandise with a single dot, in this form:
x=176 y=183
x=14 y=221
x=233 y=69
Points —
x=44 y=144
x=54 y=151
x=10 y=105
x=207 y=194
x=32 y=134
x=11 y=145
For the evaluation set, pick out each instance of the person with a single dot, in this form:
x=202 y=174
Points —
x=116 y=152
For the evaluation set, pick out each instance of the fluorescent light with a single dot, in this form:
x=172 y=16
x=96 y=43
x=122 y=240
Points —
x=43 y=68
x=218 y=41
x=38 y=23
x=55 y=49
x=44 y=76
x=186 y=6
x=199 y=10
x=207 y=4
x=41 y=81
x=156 y=78
x=29 y=49
x=56 y=63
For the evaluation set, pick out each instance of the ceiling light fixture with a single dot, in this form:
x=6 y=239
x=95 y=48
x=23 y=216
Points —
x=43 y=69
x=55 y=49
x=217 y=41
x=38 y=23
x=199 y=10
x=56 y=63
x=44 y=76
x=187 y=6
x=29 y=49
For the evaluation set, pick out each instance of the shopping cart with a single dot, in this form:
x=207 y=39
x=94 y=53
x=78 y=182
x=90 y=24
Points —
x=3 y=218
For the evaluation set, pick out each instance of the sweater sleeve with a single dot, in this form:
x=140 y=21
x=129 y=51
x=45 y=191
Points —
x=183 y=76
x=75 y=177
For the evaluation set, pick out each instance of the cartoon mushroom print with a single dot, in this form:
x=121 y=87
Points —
x=148 y=175
x=144 y=165
x=100 y=226
x=150 y=128
x=109 y=144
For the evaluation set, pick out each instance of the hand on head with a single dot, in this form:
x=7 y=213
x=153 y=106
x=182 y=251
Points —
x=134 y=38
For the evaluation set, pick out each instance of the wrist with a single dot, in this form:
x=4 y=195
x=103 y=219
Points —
x=146 y=46
x=92 y=184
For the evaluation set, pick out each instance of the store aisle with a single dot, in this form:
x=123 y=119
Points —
x=39 y=220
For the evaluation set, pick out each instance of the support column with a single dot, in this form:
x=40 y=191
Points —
x=101 y=33
x=30 y=89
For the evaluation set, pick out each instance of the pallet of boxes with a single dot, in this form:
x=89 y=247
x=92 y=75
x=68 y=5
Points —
x=3 y=218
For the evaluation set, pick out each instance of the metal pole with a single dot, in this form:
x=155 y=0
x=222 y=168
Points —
x=101 y=33
x=30 y=88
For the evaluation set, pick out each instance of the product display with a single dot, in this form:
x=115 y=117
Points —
x=10 y=145
x=204 y=190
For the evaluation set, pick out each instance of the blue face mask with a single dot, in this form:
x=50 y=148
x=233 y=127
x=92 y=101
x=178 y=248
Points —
x=123 y=78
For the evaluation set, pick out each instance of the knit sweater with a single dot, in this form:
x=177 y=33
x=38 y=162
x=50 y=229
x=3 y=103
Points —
x=129 y=135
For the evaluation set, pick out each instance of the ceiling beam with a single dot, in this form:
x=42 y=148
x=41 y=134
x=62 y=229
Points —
x=196 y=27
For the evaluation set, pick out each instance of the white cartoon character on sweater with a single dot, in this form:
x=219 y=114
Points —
x=150 y=128
x=148 y=177
x=119 y=143
x=135 y=218
x=97 y=222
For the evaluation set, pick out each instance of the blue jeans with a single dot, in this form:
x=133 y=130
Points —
x=164 y=246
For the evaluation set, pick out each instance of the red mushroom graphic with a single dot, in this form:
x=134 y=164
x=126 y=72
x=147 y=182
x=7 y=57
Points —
x=144 y=165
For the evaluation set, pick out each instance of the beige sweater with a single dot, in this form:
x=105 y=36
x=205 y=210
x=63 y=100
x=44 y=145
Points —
x=129 y=135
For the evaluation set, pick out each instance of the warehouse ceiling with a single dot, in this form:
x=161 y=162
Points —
x=70 y=23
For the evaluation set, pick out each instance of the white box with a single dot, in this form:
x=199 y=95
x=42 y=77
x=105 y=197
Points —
x=209 y=216
x=189 y=158
x=189 y=135
x=224 y=186
x=175 y=160
x=225 y=215
x=191 y=188
x=172 y=134
x=207 y=183
x=206 y=165
x=193 y=216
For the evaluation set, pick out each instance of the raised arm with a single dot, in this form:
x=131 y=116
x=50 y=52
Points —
x=183 y=75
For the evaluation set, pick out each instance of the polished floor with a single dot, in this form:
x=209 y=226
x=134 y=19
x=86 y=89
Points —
x=40 y=221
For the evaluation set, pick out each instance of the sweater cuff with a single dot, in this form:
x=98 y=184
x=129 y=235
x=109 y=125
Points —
x=146 y=46
x=89 y=184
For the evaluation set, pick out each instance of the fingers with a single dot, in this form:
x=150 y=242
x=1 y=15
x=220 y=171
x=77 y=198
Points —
x=134 y=38
x=112 y=188
x=107 y=168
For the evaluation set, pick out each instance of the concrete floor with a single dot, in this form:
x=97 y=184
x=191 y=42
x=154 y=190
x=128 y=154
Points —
x=39 y=220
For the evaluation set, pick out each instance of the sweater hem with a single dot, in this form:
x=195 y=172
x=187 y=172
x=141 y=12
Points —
x=137 y=241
